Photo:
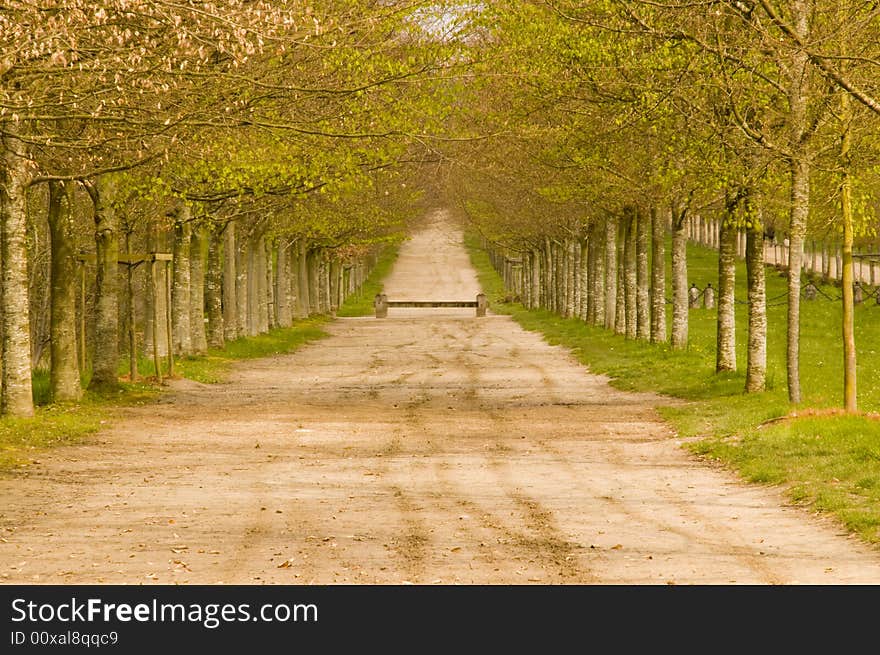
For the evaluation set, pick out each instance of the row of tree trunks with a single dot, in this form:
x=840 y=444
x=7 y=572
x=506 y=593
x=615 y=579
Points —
x=198 y=300
x=614 y=276
x=583 y=277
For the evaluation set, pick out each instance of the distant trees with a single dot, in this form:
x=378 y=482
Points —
x=249 y=130
x=730 y=114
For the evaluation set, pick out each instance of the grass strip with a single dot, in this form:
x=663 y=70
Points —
x=360 y=303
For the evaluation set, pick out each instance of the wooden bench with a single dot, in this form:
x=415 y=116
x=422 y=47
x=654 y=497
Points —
x=381 y=304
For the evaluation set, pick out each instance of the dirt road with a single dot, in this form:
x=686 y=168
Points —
x=428 y=447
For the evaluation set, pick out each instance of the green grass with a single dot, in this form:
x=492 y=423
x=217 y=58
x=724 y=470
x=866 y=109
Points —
x=824 y=460
x=57 y=424
x=361 y=302
x=22 y=438
x=214 y=366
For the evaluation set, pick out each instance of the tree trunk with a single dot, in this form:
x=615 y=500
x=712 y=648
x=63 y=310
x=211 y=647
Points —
x=253 y=287
x=214 y=288
x=267 y=315
x=242 y=284
x=549 y=283
x=588 y=255
x=680 y=305
x=180 y=285
x=106 y=353
x=725 y=352
x=314 y=282
x=630 y=273
x=610 y=272
x=597 y=276
x=620 y=317
x=199 y=339
x=230 y=300
x=570 y=272
x=584 y=279
x=16 y=391
x=756 y=364
x=64 y=374
x=325 y=283
x=297 y=311
x=303 y=301
x=155 y=340
x=335 y=269
x=850 y=397
x=658 y=276
x=282 y=285
x=643 y=279
x=800 y=192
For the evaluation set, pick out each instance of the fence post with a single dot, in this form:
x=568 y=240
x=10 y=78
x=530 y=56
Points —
x=709 y=296
x=380 y=303
x=482 y=303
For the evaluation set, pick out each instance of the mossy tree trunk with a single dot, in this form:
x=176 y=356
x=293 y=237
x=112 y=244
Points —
x=303 y=301
x=658 y=276
x=180 y=284
x=725 y=350
x=242 y=268
x=216 y=325
x=198 y=243
x=756 y=355
x=230 y=299
x=105 y=360
x=630 y=272
x=643 y=280
x=64 y=374
x=610 y=272
x=680 y=304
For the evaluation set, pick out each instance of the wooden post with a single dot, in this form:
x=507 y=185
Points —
x=482 y=304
